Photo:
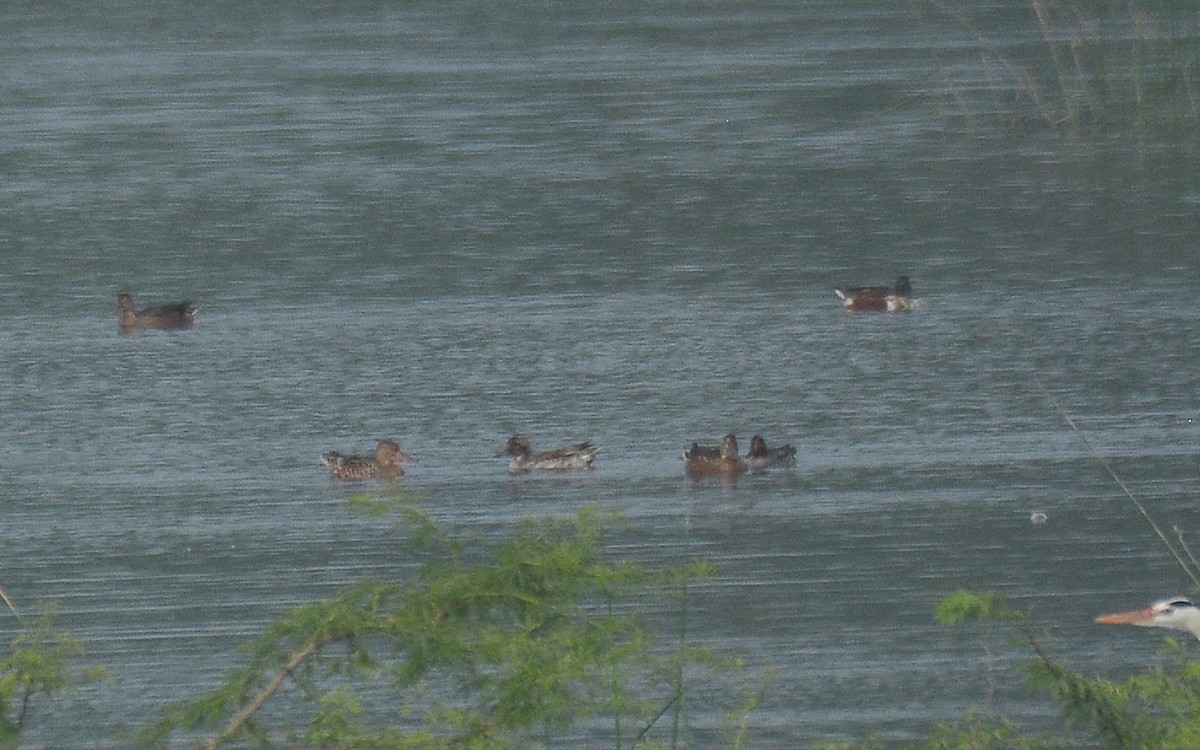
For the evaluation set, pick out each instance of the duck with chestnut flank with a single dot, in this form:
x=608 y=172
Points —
x=896 y=298
x=700 y=461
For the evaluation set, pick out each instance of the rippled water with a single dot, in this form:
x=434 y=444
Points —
x=448 y=222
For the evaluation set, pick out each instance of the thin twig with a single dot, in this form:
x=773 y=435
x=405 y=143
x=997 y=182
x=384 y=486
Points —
x=1184 y=545
x=9 y=602
x=1103 y=712
x=654 y=720
x=1124 y=488
x=264 y=695
x=1047 y=35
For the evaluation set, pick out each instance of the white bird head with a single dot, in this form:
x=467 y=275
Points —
x=1175 y=614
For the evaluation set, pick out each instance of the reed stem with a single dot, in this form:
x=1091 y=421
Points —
x=1191 y=573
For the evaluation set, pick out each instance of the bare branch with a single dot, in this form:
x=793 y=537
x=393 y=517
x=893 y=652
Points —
x=264 y=695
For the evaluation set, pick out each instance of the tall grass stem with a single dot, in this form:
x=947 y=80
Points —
x=1141 y=507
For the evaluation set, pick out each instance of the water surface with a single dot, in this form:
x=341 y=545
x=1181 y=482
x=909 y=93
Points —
x=444 y=223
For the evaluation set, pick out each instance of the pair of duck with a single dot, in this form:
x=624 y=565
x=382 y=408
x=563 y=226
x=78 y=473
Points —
x=180 y=315
x=724 y=460
x=383 y=464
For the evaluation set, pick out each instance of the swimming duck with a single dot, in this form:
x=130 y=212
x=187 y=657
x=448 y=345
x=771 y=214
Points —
x=711 y=452
x=578 y=456
x=381 y=465
x=761 y=457
x=700 y=461
x=889 y=298
x=176 y=317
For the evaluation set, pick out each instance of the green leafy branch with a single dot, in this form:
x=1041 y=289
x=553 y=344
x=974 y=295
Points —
x=39 y=663
x=1158 y=708
x=470 y=653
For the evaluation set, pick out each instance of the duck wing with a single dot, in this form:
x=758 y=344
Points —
x=764 y=456
x=697 y=451
x=348 y=467
x=864 y=291
x=781 y=455
x=180 y=309
x=577 y=456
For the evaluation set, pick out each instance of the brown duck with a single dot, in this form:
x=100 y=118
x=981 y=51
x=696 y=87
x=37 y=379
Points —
x=887 y=298
x=176 y=317
x=700 y=461
x=382 y=465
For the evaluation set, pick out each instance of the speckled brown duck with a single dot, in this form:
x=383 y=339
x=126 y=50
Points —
x=896 y=298
x=700 y=461
x=382 y=465
x=175 y=317
x=570 y=457
x=762 y=457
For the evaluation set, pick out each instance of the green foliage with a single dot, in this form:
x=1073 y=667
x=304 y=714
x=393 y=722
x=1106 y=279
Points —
x=870 y=744
x=481 y=648
x=1158 y=708
x=978 y=732
x=39 y=663
x=964 y=606
x=975 y=732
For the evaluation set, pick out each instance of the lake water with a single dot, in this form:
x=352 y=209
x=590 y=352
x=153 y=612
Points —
x=618 y=222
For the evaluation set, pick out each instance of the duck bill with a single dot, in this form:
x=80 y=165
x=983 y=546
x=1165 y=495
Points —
x=1136 y=617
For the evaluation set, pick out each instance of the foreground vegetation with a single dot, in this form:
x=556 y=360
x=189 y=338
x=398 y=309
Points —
x=537 y=638
x=39 y=665
x=1158 y=708
x=1117 y=66
x=534 y=638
